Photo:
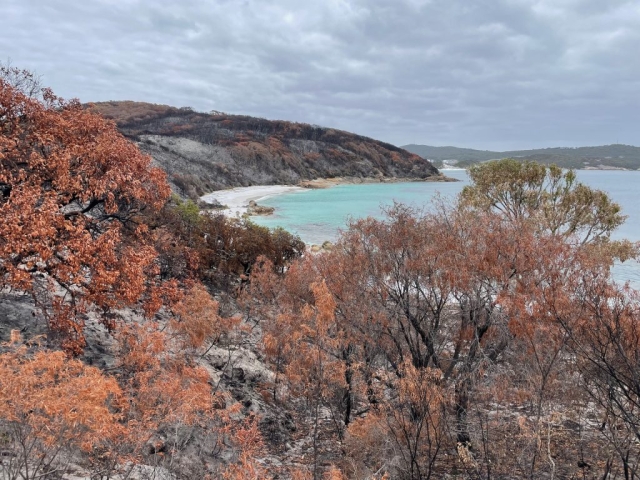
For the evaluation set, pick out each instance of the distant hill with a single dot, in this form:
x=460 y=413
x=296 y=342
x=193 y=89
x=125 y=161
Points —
x=603 y=157
x=203 y=152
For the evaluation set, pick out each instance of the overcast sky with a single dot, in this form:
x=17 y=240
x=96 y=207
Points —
x=489 y=74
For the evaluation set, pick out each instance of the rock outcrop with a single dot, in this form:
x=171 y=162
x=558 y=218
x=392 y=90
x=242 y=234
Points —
x=255 y=209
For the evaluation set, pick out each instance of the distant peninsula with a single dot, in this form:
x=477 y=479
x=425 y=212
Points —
x=205 y=152
x=606 y=157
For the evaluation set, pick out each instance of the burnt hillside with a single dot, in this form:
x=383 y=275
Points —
x=203 y=152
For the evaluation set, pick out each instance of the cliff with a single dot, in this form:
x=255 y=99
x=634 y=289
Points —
x=203 y=152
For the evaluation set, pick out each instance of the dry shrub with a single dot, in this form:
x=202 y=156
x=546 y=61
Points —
x=405 y=433
x=197 y=320
x=51 y=406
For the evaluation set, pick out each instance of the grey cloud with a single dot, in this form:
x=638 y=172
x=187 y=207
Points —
x=486 y=74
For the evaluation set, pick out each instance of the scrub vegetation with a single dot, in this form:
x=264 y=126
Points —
x=483 y=340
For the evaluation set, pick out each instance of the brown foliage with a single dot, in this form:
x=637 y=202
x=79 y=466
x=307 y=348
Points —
x=481 y=341
x=71 y=189
x=214 y=248
x=52 y=407
x=455 y=335
x=165 y=388
x=197 y=318
x=49 y=406
x=412 y=425
x=128 y=111
x=67 y=395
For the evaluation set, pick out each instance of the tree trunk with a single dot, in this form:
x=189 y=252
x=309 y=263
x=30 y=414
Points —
x=462 y=407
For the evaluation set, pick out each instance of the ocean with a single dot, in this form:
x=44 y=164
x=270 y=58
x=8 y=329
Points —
x=319 y=215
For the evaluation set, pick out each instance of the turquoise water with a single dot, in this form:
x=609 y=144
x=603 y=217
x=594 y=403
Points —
x=318 y=215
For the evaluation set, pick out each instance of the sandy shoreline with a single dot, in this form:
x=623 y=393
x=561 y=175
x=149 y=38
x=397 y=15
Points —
x=237 y=199
x=332 y=182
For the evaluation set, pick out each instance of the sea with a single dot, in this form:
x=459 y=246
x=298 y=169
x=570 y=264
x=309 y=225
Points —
x=320 y=214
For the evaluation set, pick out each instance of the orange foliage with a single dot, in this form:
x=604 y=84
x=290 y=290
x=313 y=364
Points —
x=197 y=319
x=71 y=187
x=412 y=424
x=50 y=405
x=164 y=388
x=128 y=111
x=302 y=337
x=409 y=318
x=334 y=474
x=248 y=438
x=60 y=400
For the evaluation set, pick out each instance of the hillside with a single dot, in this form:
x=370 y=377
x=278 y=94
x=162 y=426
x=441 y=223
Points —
x=606 y=156
x=140 y=339
x=203 y=152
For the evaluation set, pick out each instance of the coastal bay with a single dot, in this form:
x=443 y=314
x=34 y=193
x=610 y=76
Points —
x=318 y=214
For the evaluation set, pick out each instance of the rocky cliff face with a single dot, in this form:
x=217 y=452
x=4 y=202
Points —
x=205 y=152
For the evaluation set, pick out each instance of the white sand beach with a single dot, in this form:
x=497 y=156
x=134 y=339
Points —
x=237 y=199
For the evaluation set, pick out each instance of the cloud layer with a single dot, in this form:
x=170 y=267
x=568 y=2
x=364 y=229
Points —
x=493 y=74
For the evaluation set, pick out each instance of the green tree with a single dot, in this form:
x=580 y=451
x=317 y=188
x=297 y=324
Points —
x=187 y=209
x=546 y=194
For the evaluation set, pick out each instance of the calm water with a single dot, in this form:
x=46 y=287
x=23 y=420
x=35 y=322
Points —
x=318 y=215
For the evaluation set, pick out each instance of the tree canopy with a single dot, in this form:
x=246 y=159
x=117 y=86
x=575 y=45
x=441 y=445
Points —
x=546 y=194
x=70 y=189
x=466 y=333
x=423 y=345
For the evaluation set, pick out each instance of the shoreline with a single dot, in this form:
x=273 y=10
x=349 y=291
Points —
x=332 y=182
x=237 y=199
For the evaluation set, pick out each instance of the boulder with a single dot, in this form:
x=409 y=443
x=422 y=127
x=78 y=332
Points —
x=255 y=209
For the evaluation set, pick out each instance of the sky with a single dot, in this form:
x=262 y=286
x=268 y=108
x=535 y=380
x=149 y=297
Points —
x=487 y=74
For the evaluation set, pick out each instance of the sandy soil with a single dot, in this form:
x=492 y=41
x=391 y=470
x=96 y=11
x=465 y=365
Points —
x=237 y=199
